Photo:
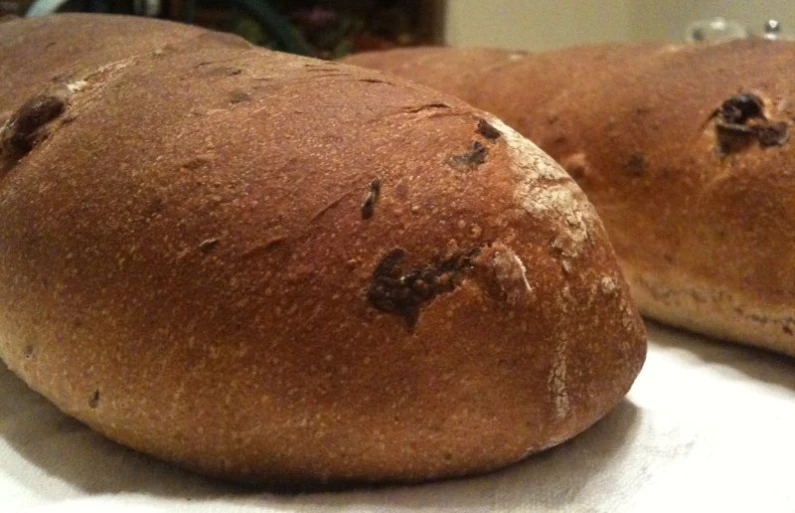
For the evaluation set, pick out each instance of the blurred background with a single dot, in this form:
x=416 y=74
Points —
x=547 y=24
x=333 y=28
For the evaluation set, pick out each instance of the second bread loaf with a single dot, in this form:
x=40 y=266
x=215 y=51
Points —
x=684 y=150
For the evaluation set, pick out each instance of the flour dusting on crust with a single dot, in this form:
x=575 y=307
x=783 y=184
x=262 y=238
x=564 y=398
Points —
x=557 y=380
x=562 y=200
x=529 y=157
x=76 y=86
x=565 y=202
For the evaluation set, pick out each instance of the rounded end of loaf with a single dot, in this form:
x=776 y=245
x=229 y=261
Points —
x=692 y=177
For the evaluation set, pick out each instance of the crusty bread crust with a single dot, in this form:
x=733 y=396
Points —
x=281 y=270
x=719 y=311
x=685 y=152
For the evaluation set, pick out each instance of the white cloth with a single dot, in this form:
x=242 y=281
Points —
x=706 y=427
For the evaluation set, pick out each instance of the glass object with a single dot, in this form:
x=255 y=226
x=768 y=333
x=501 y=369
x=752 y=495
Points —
x=715 y=29
x=773 y=30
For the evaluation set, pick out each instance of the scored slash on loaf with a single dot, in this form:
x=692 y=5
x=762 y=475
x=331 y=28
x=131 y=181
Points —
x=275 y=269
x=685 y=151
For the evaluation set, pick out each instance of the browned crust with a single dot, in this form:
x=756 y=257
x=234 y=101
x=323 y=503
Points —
x=189 y=274
x=636 y=126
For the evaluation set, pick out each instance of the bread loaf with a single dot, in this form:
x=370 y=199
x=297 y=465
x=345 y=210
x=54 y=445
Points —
x=515 y=83
x=275 y=269
x=684 y=150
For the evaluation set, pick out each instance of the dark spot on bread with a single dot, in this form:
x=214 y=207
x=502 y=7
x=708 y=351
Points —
x=403 y=291
x=732 y=139
x=487 y=130
x=740 y=108
x=27 y=352
x=635 y=165
x=93 y=401
x=239 y=97
x=773 y=134
x=26 y=127
x=427 y=106
x=741 y=120
x=735 y=138
x=472 y=158
x=208 y=245
x=368 y=205
x=375 y=81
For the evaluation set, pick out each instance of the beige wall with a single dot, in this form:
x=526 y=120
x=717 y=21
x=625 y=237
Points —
x=543 y=24
x=535 y=24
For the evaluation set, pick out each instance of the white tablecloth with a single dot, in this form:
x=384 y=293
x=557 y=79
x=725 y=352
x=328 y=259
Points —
x=707 y=427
